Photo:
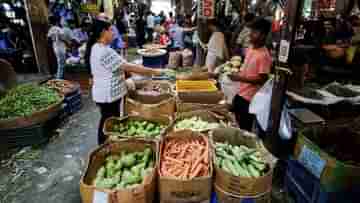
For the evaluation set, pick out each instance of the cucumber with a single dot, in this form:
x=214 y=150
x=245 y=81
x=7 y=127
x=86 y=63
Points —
x=253 y=172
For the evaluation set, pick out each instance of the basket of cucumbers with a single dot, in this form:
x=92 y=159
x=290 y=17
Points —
x=242 y=165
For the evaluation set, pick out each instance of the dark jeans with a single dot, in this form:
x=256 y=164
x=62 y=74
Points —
x=107 y=110
x=150 y=32
x=240 y=107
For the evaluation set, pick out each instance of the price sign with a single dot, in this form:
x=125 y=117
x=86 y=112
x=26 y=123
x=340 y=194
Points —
x=100 y=197
x=206 y=9
x=89 y=8
x=312 y=161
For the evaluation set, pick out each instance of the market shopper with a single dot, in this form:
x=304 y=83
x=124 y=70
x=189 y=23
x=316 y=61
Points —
x=254 y=72
x=218 y=52
x=107 y=69
x=59 y=42
x=150 y=25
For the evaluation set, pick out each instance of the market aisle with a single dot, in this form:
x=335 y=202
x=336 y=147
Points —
x=52 y=172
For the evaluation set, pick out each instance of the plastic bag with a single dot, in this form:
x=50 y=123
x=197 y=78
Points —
x=261 y=104
x=187 y=58
x=285 y=129
x=230 y=88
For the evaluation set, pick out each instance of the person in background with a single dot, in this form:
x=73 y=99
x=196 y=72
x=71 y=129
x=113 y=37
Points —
x=157 y=20
x=164 y=37
x=59 y=42
x=140 y=30
x=150 y=25
x=108 y=69
x=218 y=52
x=241 y=40
x=169 y=22
x=254 y=72
x=81 y=34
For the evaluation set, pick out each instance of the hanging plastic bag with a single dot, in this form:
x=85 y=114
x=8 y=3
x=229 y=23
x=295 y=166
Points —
x=285 y=129
x=260 y=105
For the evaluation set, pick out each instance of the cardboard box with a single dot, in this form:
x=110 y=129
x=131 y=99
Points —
x=110 y=122
x=204 y=115
x=142 y=194
x=174 y=190
x=236 y=185
x=152 y=105
x=201 y=97
x=225 y=197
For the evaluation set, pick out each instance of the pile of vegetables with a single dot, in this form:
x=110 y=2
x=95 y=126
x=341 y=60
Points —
x=62 y=86
x=240 y=160
x=138 y=129
x=24 y=100
x=185 y=158
x=195 y=124
x=153 y=89
x=126 y=170
x=232 y=66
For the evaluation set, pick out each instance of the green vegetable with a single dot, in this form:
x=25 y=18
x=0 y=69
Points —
x=125 y=170
x=239 y=160
x=24 y=100
x=195 y=124
x=139 y=129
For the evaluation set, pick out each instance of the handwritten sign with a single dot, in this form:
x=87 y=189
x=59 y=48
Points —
x=100 y=197
x=206 y=9
x=89 y=8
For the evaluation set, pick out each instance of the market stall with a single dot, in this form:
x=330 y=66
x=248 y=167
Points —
x=316 y=91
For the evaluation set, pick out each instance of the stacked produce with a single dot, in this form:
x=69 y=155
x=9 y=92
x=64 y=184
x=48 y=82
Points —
x=232 y=66
x=153 y=89
x=125 y=170
x=62 y=86
x=195 y=124
x=26 y=99
x=135 y=128
x=198 y=85
x=240 y=160
x=185 y=158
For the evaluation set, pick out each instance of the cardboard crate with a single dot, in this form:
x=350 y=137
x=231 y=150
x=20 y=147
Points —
x=225 y=197
x=109 y=123
x=204 y=115
x=144 y=193
x=236 y=185
x=174 y=190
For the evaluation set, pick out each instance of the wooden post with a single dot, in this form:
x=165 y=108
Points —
x=282 y=74
x=37 y=17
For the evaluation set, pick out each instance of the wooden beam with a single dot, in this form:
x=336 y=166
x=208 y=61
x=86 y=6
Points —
x=37 y=17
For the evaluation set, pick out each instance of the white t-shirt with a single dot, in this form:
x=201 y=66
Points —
x=108 y=77
x=57 y=36
x=216 y=50
x=150 y=21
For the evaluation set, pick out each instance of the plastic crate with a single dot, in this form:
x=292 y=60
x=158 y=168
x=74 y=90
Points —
x=304 y=178
x=303 y=187
x=294 y=191
x=72 y=104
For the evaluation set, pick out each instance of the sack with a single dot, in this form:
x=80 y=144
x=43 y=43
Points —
x=261 y=104
x=174 y=59
x=187 y=58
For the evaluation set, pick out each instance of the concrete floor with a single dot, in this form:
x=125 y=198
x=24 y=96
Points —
x=51 y=172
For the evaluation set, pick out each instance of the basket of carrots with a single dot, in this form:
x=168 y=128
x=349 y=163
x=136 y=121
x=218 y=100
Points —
x=185 y=167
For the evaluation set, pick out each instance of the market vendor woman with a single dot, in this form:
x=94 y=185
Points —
x=107 y=69
x=253 y=74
